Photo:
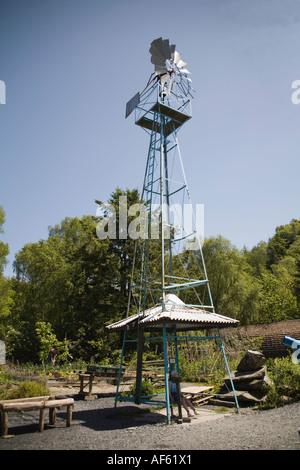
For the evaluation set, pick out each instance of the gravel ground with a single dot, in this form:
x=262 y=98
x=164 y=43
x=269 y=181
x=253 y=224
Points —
x=97 y=426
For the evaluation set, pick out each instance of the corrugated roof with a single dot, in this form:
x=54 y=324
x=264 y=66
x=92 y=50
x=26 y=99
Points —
x=175 y=313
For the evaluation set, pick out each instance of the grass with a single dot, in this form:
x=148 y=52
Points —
x=7 y=382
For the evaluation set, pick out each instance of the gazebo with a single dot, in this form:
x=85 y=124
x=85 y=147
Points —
x=169 y=318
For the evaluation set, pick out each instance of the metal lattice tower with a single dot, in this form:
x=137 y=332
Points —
x=170 y=222
x=162 y=109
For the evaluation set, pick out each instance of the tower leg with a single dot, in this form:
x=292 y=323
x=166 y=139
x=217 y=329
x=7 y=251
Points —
x=176 y=349
x=139 y=366
x=228 y=371
x=120 y=369
x=166 y=374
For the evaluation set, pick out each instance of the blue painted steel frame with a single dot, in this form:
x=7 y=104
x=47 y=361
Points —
x=156 y=116
x=165 y=338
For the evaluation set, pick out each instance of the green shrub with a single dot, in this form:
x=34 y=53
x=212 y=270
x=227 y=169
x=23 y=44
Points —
x=273 y=398
x=147 y=388
x=27 y=390
x=285 y=376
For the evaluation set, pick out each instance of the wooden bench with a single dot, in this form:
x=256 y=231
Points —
x=34 y=403
x=86 y=379
x=105 y=370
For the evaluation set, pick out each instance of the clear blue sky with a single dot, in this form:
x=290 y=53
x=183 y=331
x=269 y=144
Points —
x=70 y=66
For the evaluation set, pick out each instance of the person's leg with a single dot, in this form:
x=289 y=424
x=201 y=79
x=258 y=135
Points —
x=185 y=405
x=190 y=405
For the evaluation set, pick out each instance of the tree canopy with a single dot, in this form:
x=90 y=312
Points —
x=6 y=292
x=75 y=283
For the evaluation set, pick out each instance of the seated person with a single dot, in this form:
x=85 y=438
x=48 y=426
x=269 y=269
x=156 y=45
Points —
x=184 y=401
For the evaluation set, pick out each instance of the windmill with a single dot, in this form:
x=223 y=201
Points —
x=167 y=299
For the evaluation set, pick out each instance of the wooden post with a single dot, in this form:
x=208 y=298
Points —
x=69 y=415
x=52 y=416
x=178 y=390
x=41 y=420
x=81 y=378
x=91 y=377
x=4 y=423
x=89 y=383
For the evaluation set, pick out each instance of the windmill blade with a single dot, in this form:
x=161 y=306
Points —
x=184 y=71
x=180 y=64
x=176 y=57
x=161 y=51
x=156 y=51
x=160 y=70
x=172 y=50
x=165 y=49
x=157 y=59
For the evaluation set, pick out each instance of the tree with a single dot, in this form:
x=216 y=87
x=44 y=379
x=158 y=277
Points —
x=67 y=281
x=257 y=258
x=278 y=245
x=47 y=340
x=4 y=251
x=235 y=292
x=6 y=291
x=292 y=264
x=76 y=282
x=283 y=251
x=121 y=244
x=277 y=300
